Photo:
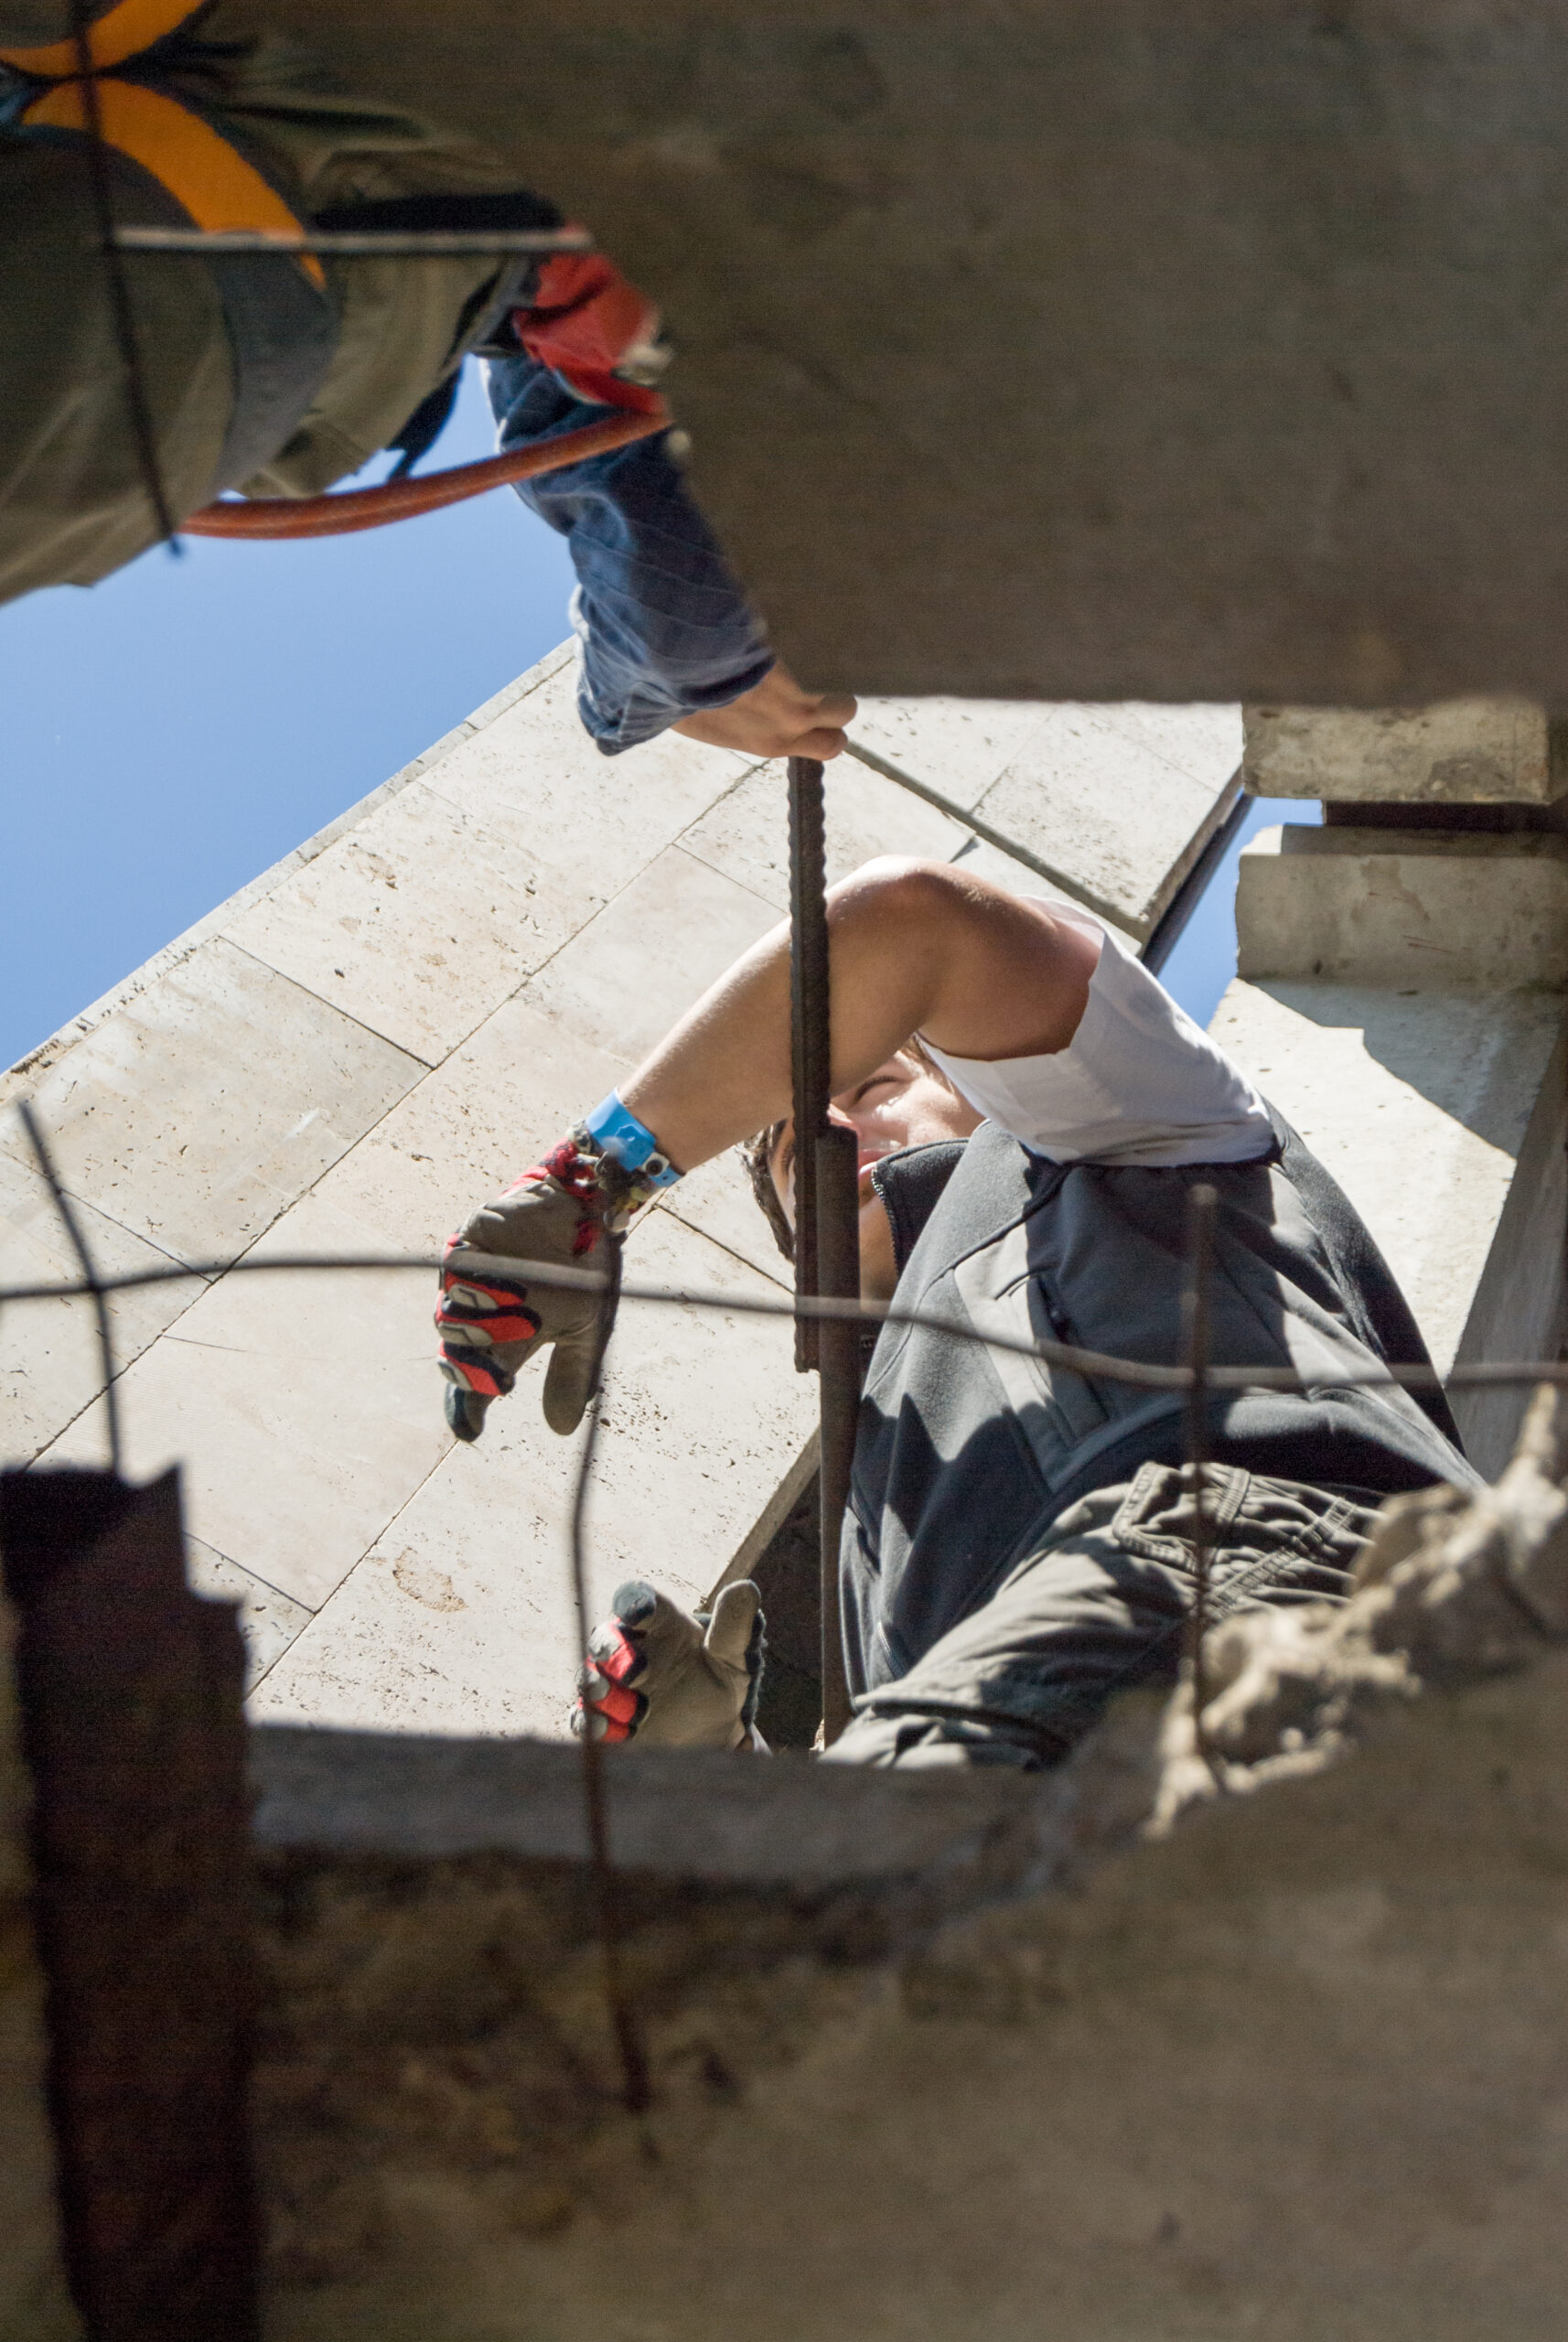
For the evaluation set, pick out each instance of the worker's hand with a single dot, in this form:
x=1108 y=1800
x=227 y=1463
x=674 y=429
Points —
x=671 y=1680
x=492 y=1317
x=776 y=718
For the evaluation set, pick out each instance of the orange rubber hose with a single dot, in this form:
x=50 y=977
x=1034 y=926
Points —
x=404 y=499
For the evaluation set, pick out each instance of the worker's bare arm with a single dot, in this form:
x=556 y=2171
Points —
x=916 y=947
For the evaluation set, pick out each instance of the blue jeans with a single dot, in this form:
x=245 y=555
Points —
x=665 y=626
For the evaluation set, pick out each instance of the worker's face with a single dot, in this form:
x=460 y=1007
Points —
x=902 y=1104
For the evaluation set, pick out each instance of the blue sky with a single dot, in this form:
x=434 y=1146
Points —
x=177 y=728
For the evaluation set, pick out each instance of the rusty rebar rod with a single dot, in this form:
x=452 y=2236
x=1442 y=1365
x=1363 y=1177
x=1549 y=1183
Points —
x=827 y=1226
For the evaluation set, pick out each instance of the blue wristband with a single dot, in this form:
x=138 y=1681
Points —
x=617 y=1132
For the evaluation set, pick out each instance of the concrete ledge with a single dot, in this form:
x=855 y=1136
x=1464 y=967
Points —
x=1467 y=751
x=1405 y=908
x=702 y=1820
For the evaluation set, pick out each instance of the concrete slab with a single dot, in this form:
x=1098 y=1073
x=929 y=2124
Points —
x=416 y=924
x=1097 y=794
x=304 y=1410
x=202 y=1109
x=624 y=979
x=1077 y=348
x=747 y=834
x=958 y=745
x=1405 y=908
x=583 y=824
x=1492 y=751
x=459 y=1619
x=49 y=1359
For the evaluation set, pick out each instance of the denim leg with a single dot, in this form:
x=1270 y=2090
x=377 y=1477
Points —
x=1102 y=1604
x=665 y=626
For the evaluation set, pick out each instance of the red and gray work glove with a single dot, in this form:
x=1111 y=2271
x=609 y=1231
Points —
x=656 y=1674
x=492 y=1319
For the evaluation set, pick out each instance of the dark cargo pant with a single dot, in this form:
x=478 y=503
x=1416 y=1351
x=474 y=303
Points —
x=1101 y=1604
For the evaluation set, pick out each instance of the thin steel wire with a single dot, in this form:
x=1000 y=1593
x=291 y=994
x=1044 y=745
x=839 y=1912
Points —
x=93 y=1284
x=137 y=406
x=1093 y=1365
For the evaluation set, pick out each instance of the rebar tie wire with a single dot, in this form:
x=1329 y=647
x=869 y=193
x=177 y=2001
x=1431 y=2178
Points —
x=1198 y=1380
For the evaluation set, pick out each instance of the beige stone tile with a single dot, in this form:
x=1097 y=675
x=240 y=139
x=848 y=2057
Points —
x=417 y=922
x=461 y=1620
x=1003 y=871
x=745 y=835
x=49 y=1360
x=958 y=745
x=716 y=1200
x=624 y=980
x=204 y=1107
x=303 y=1409
x=535 y=778
x=468 y=1129
x=490 y=1110
x=269 y=1621
x=1099 y=804
x=1202 y=739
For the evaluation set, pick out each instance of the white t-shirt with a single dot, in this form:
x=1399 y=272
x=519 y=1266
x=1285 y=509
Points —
x=1137 y=1083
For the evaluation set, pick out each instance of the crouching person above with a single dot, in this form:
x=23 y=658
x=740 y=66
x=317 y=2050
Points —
x=1031 y=1109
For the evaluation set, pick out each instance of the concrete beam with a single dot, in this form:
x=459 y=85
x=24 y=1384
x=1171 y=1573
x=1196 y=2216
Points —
x=1405 y=908
x=1467 y=751
x=1077 y=349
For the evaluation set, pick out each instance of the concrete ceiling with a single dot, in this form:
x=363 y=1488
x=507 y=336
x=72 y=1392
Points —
x=1079 y=348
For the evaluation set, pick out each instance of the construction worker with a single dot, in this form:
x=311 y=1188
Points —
x=1032 y=1110
x=134 y=390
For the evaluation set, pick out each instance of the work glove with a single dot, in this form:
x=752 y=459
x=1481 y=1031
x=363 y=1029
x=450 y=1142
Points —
x=657 y=1674
x=491 y=1319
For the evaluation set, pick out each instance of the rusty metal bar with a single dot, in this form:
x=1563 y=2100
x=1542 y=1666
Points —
x=827 y=1230
x=435 y=243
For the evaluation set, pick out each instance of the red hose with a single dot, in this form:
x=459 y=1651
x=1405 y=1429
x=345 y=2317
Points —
x=404 y=499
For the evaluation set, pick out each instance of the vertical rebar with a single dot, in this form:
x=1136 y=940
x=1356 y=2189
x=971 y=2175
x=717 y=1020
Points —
x=827 y=1228
x=809 y=1043
x=1202 y=1201
x=637 y=2089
